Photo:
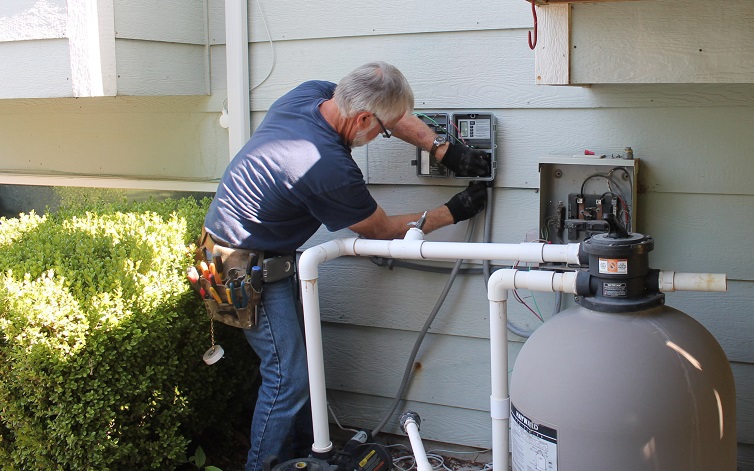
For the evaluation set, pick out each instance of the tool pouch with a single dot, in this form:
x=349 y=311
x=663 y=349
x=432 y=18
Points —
x=241 y=317
x=239 y=304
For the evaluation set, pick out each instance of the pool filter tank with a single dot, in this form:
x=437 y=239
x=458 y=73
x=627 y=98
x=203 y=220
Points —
x=622 y=382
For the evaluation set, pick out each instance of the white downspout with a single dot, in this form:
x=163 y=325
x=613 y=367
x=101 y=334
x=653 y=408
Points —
x=237 y=67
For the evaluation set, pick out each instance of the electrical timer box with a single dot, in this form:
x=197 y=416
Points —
x=473 y=129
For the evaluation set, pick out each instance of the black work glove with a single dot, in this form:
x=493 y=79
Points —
x=467 y=162
x=468 y=203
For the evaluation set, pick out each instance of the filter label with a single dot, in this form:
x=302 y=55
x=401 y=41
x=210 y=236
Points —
x=613 y=266
x=534 y=446
x=614 y=290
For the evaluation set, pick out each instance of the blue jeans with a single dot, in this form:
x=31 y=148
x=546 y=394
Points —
x=281 y=422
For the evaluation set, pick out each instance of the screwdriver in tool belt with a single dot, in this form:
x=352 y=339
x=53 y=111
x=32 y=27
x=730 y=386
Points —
x=193 y=277
x=204 y=269
x=256 y=278
x=214 y=294
x=205 y=287
x=215 y=272
x=253 y=260
x=218 y=267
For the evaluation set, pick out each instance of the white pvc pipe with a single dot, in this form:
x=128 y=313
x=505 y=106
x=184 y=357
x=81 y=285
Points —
x=308 y=267
x=420 y=456
x=497 y=292
x=308 y=273
x=498 y=285
x=672 y=281
x=237 y=66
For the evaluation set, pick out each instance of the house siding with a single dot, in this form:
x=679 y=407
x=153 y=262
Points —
x=695 y=200
x=694 y=142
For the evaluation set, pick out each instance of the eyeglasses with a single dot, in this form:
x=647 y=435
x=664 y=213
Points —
x=385 y=132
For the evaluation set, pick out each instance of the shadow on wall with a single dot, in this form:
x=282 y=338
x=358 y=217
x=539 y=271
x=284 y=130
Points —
x=17 y=199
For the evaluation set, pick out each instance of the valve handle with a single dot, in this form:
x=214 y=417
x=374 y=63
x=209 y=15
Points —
x=616 y=228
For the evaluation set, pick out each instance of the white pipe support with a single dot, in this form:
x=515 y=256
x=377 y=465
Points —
x=672 y=281
x=420 y=455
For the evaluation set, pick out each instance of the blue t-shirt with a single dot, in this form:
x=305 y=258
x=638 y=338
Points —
x=293 y=175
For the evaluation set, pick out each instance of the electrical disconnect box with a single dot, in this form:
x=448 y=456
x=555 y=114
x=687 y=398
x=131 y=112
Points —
x=576 y=192
x=474 y=129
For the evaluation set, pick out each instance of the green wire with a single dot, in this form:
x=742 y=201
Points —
x=447 y=131
x=535 y=305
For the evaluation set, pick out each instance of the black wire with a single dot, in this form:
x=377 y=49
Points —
x=391 y=263
x=596 y=175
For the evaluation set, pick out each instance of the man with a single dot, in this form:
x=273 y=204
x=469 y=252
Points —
x=295 y=174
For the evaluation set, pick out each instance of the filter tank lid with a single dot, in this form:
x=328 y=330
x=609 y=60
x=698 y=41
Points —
x=618 y=242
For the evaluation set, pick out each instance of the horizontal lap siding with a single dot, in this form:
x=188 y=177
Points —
x=158 y=68
x=694 y=183
x=25 y=75
x=695 y=175
x=173 y=21
x=441 y=423
x=161 y=47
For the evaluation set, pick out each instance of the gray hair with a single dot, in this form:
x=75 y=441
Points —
x=377 y=87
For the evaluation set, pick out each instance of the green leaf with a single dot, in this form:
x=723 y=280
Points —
x=212 y=468
x=201 y=458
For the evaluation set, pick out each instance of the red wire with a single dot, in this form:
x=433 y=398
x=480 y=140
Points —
x=520 y=300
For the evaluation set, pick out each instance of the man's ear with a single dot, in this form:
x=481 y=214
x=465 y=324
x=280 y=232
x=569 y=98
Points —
x=364 y=119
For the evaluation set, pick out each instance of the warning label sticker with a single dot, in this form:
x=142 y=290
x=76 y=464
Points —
x=613 y=266
x=534 y=447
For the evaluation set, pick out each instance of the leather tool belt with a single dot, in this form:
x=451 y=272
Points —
x=233 y=283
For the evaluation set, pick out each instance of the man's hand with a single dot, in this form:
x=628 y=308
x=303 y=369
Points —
x=467 y=162
x=468 y=203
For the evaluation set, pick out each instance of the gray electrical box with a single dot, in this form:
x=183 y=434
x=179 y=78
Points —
x=476 y=130
x=576 y=192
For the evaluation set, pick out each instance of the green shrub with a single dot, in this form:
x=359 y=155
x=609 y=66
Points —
x=101 y=339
